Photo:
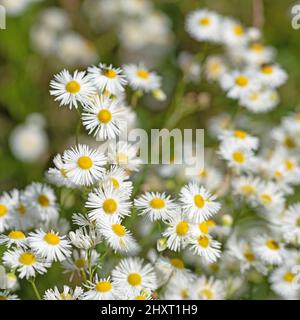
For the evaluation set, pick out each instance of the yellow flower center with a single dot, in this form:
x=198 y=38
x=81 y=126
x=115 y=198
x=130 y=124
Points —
x=203 y=173
x=134 y=279
x=104 y=116
x=140 y=298
x=80 y=263
x=298 y=222
x=3 y=210
x=278 y=174
x=272 y=244
x=177 y=263
x=199 y=201
x=3 y=298
x=122 y=158
x=103 y=286
x=289 y=165
x=203 y=241
x=214 y=67
x=289 y=143
x=52 y=238
x=182 y=228
x=267 y=69
x=110 y=206
x=144 y=74
x=248 y=254
x=238 y=30
x=297 y=117
x=266 y=198
x=157 y=203
x=73 y=87
x=110 y=73
x=115 y=183
x=85 y=163
x=119 y=230
x=65 y=296
x=207 y=293
x=241 y=81
x=21 y=209
x=43 y=200
x=289 y=276
x=184 y=293
x=257 y=47
x=238 y=157
x=203 y=226
x=240 y=134
x=16 y=235
x=247 y=188
x=204 y=21
x=27 y=259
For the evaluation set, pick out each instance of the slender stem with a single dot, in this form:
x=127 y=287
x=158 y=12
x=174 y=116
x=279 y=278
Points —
x=78 y=128
x=35 y=289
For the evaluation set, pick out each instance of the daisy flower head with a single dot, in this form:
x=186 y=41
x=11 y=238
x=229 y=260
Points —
x=215 y=67
x=6 y=295
x=58 y=175
x=209 y=289
x=246 y=186
x=240 y=137
x=272 y=75
x=206 y=247
x=132 y=275
x=233 y=33
x=117 y=236
x=83 y=165
x=26 y=262
x=177 y=231
x=177 y=289
x=140 y=78
x=49 y=245
x=155 y=205
x=107 y=202
x=82 y=238
x=202 y=228
x=124 y=155
x=71 y=89
x=237 y=156
x=197 y=203
x=204 y=25
x=210 y=177
x=107 y=78
x=100 y=289
x=66 y=294
x=290 y=223
x=104 y=117
x=257 y=53
x=268 y=249
x=14 y=238
x=284 y=282
x=6 y=202
x=119 y=179
x=42 y=200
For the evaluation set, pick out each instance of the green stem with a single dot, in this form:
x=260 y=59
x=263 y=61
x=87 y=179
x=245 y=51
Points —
x=35 y=289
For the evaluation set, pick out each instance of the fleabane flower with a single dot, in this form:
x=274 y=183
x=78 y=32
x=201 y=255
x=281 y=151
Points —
x=140 y=78
x=107 y=202
x=71 y=89
x=117 y=236
x=208 y=289
x=6 y=204
x=104 y=118
x=14 y=237
x=155 y=205
x=240 y=137
x=83 y=165
x=49 y=245
x=233 y=33
x=272 y=75
x=26 y=262
x=132 y=275
x=197 y=203
x=66 y=294
x=100 y=289
x=107 y=78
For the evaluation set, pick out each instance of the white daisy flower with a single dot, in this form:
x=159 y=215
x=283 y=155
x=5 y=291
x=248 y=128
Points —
x=190 y=67
x=240 y=137
x=233 y=33
x=67 y=294
x=6 y=202
x=69 y=90
x=284 y=282
x=14 y=237
x=49 y=245
x=209 y=289
x=257 y=53
x=100 y=289
x=107 y=78
x=290 y=223
x=133 y=275
x=58 y=175
x=246 y=187
x=197 y=203
x=83 y=239
x=215 y=67
x=140 y=78
x=210 y=177
x=206 y=247
x=177 y=289
x=83 y=165
x=125 y=155
x=117 y=236
x=155 y=205
x=6 y=295
x=42 y=200
x=104 y=117
x=204 y=25
x=177 y=231
x=119 y=179
x=78 y=262
x=268 y=249
x=202 y=228
x=27 y=263
x=107 y=202
x=237 y=156
x=272 y=75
